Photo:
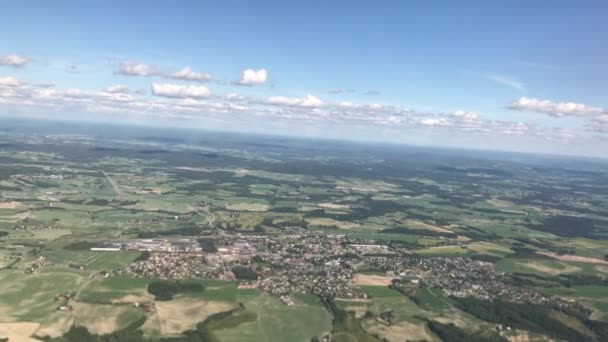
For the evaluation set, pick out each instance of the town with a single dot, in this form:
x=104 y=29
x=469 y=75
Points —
x=321 y=264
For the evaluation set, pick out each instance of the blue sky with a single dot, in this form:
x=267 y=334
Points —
x=517 y=75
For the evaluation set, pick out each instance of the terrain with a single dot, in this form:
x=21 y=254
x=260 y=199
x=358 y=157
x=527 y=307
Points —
x=147 y=235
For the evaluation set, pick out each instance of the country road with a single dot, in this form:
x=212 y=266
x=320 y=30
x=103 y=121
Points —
x=211 y=216
x=114 y=185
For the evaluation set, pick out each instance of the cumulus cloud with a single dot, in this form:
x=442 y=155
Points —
x=128 y=68
x=187 y=74
x=465 y=116
x=14 y=60
x=309 y=101
x=336 y=91
x=253 y=77
x=234 y=97
x=434 y=122
x=116 y=89
x=507 y=81
x=179 y=91
x=10 y=82
x=556 y=109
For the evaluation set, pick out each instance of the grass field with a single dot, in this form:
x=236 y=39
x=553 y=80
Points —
x=94 y=261
x=380 y=291
x=544 y=266
x=278 y=322
x=32 y=297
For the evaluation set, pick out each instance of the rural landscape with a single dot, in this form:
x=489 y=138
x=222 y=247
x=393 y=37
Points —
x=143 y=235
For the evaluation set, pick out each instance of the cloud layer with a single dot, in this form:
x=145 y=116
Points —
x=309 y=101
x=556 y=109
x=179 y=91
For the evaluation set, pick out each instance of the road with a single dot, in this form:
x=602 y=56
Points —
x=211 y=216
x=114 y=185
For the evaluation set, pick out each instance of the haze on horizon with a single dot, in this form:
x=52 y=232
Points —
x=522 y=76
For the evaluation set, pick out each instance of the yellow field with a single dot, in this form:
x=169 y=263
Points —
x=489 y=248
x=323 y=221
x=248 y=207
x=57 y=324
x=575 y=258
x=423 y=225
x=374 y=280
x=550 y=270
x=396 y=332
x=103 y=319
x=442 y=250
x=10 y=205
x=18 y=331
x=178 y=315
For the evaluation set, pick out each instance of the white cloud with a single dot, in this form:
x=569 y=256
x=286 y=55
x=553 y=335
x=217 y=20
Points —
x=128 y=68
x=115 y=89
x=234 y=97
x=347 y=104
x=308 y=101
x=14 y=60
x=434 y=122
x=556 y=109
x=179 y=91
x=351 y=105
x=187 y=74
x=600 y=124
x=73 y=92
x=10 y=82
x=465 y=116
x=507 y=81
x=518 y=128
x=253 y=77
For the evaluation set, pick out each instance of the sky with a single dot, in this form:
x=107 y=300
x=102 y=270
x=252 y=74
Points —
x=512 y=75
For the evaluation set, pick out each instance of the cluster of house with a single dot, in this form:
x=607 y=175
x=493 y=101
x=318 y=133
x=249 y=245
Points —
x=36 y=227
x=172 y=266
x=151 y=245
x=277 y=265
x=65 y=298
x=325 y=265
x=36 y=265
x=463 y=277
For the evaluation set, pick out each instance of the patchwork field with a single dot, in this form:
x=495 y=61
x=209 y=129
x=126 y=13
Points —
x=540 y=223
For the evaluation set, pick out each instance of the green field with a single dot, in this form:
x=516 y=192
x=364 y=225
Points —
x=278 y=322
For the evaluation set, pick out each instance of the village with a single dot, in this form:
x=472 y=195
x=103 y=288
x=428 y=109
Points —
x=324 y=265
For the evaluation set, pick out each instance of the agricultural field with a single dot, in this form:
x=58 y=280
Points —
x=538 y=223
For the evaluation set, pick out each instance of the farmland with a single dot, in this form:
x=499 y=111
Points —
x=293 y=239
